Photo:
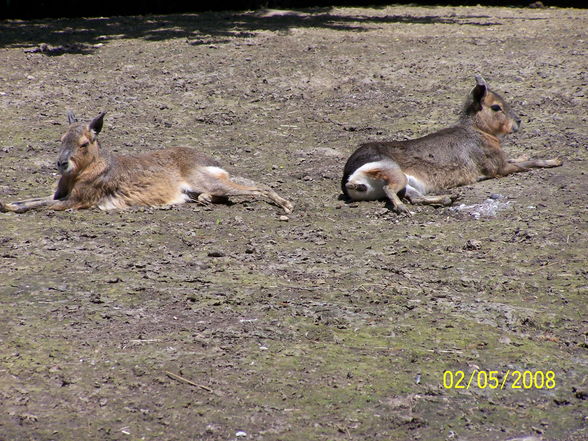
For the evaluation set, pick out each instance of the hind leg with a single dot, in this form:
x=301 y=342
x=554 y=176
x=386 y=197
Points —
x=238 y=186
x=215 y=183
x=394 y=182
x=397 y=205
x=378 y=180
x=417 y=198
x=207 y=199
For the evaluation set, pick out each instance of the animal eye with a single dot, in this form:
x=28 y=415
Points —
x=86 y=144
x=496 y=107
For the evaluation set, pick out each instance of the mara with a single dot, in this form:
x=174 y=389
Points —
x=94 y=177
x=460 y=155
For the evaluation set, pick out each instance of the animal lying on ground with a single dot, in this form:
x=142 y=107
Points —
x=460 y=155
x=94 y=177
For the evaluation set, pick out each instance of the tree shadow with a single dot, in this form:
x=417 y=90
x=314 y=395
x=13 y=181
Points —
x=55 y=37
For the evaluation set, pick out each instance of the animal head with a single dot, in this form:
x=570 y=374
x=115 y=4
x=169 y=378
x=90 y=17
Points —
x=79 y=145
x=489 y=111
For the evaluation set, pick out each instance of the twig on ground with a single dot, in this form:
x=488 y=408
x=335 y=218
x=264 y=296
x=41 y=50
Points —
x=185 y=380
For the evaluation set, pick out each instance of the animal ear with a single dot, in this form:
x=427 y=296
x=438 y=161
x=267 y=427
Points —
x=71 y=118
x=96 y=123
x=480 y=90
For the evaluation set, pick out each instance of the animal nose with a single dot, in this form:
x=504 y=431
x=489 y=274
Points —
x=62 y=165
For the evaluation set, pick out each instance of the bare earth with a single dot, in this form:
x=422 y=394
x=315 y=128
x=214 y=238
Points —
x=222 y=323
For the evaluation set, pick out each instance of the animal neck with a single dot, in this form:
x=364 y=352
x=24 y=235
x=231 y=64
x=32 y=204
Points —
x=469 y=122
x=491 y=139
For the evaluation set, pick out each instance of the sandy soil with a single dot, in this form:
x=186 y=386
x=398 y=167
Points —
x=338 y=323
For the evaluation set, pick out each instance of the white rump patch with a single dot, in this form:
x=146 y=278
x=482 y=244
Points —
x=217 y=172
x=374 y=187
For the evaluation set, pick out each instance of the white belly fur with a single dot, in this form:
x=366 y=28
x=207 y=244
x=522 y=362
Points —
x=416 y=184
x=116 y=202
x=112 y=203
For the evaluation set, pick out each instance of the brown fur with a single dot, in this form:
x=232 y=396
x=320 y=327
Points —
x=460 y=155
x=94 y=177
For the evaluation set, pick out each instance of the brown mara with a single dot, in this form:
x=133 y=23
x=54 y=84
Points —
x=460 y=155
x=94 y=177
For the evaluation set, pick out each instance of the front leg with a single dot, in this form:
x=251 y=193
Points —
x=47 y=203
x=26 y=205
x=69 y=204
x=518 y=166
x=536 y=163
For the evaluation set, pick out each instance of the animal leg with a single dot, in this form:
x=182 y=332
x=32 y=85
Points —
x=417 y=198
x=26 y=205
x=224 y=186
x=394 y=182
x=69 y=204
x=47 y=203
x=204 y=199
x=537 y=163
x=518 y=166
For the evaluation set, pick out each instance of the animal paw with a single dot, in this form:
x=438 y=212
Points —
x=555 y=162
x=402 y=209
x=204 y=199
x=453 y=198
x=287 y=206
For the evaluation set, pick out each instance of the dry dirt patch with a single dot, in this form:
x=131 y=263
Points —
x=339 y=323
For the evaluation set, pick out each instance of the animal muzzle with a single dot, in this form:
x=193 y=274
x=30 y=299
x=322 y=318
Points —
x=64 y=165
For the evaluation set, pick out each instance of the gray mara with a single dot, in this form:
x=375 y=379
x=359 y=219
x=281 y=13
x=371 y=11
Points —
x=460 y=155
x=94 y=177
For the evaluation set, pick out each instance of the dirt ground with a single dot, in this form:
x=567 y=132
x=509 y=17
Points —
x=226 y=323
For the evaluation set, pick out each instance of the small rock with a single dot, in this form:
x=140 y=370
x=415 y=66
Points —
x=284 y=218
x=216 y=254
x=138 y=371
x=95 y=298
x=505 y=340
x=241 y=434
x=212 y=429
x=472 y=244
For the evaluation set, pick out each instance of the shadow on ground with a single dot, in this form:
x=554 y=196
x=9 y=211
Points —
x=81 y=35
